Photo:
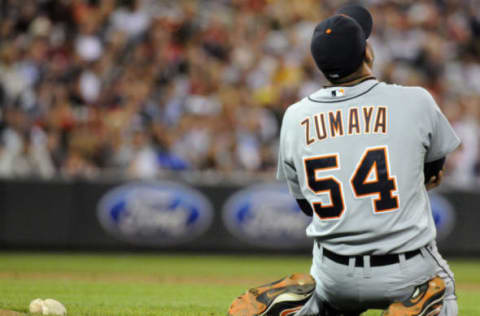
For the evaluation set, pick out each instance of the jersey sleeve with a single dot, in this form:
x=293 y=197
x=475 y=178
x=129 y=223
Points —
x=286 y=170
x=442 y=139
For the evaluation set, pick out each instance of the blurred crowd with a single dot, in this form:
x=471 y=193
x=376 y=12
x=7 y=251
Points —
x=141 y=88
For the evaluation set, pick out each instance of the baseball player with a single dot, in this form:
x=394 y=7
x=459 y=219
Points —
x=355 y=155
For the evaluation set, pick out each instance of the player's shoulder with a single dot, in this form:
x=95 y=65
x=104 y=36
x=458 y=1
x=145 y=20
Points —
x=294 y=109
x=413 y=96
x=407 y=91
x=300 y=103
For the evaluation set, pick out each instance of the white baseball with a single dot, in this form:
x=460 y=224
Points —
x=47 y=307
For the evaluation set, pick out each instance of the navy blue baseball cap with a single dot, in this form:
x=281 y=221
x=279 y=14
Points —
x=339 y=42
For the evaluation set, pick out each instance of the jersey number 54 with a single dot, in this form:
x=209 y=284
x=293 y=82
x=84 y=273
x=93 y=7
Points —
x=371 y=179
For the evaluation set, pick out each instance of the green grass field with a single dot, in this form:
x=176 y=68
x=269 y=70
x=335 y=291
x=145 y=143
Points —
x=174 y=285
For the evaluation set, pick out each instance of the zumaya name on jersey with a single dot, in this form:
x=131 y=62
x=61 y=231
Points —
x=352 y=121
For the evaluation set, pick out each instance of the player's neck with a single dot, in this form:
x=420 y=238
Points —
x=361 y=75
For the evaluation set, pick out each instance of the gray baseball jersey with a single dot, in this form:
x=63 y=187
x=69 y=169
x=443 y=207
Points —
x=357 y=155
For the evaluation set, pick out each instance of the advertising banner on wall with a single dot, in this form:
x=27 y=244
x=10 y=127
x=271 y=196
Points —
x=154 y=213
x=174 y=216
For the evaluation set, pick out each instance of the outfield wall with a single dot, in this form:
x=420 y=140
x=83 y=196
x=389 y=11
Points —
x=168 y=216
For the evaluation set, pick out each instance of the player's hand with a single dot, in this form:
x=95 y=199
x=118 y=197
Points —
x=435 y=181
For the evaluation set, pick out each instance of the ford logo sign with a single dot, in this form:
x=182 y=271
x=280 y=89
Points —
x=154 y=214
x=266 y=215
x=443 y=214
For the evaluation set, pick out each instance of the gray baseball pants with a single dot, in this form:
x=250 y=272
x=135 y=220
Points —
x=346 y=290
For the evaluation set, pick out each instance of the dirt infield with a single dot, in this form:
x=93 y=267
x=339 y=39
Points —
x=4 y=312
x=143 y=278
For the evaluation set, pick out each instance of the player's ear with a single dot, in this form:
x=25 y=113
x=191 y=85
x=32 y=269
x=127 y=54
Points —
x=369 y=55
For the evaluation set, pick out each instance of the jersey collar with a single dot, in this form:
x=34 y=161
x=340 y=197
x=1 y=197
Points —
x=340 y=93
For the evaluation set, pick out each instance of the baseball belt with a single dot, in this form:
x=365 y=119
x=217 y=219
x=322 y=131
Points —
x=375 y=260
